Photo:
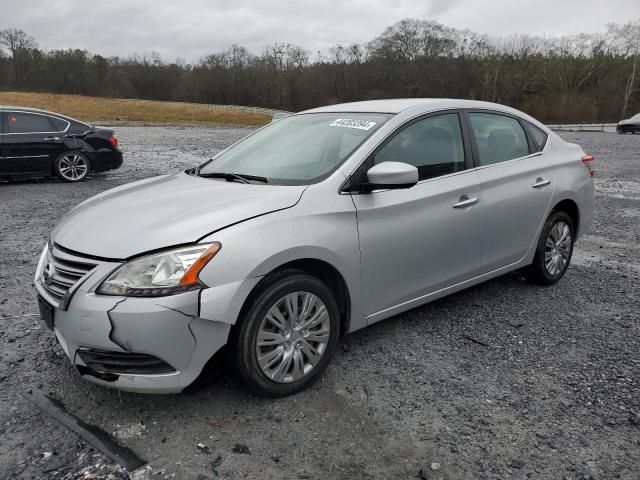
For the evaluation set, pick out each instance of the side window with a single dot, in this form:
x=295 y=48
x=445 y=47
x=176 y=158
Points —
x=539 y=136
x=59 y=124
x=499 y=138
x=22 y=122
x=77 y=127
x=434 y=145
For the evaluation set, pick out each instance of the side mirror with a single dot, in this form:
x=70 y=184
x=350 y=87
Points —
x=391 y=175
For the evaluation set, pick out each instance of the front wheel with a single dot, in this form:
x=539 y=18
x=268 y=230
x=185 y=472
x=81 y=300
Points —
x=287 y=337
x=72 y=167
x=554 y=251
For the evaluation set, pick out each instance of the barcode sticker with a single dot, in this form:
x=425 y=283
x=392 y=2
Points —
x=351 y=123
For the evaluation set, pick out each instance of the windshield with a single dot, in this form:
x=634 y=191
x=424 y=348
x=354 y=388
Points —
x=636 y=117
x=299 y=149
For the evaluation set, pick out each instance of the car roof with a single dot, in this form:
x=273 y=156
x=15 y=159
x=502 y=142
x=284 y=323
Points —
x=399 y=104
x=29 y=109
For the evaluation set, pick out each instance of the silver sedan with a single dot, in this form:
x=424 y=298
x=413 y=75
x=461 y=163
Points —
x=315 y=226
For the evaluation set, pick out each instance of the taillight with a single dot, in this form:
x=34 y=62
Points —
x=113 y=140
x=588 y=162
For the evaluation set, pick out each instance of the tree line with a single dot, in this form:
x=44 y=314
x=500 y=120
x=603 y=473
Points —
x=579 y=78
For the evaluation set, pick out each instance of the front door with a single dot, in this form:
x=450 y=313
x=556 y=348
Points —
x=419 y=240
x=31 y=143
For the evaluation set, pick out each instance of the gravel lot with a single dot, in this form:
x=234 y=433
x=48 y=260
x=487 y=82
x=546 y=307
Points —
x=505 y=380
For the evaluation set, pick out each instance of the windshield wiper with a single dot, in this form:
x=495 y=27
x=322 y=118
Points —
x=230 y=177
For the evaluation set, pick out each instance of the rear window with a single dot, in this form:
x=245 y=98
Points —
x=499 y=138
x=539 y=136
x=23 y=122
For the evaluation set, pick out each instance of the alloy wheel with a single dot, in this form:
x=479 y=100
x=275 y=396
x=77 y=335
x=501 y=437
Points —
x=73 y=167
x=557 y=248
x=293 y=337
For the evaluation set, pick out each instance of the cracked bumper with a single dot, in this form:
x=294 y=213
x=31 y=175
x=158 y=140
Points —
x=170 y=328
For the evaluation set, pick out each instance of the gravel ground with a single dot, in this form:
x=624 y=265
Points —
x=504 y=380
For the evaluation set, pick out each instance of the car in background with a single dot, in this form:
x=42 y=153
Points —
x=315 y=226
x=37 y=143
x=630 y=125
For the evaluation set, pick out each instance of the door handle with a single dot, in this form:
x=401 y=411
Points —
x=51 y=139
x=466 y=202
x=540 y=183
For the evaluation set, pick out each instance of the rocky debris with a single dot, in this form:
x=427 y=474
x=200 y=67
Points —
x=142 y=473
x=88 y=466
x=129 y=431
x=215 y=464
x=202 y=448
x=241 y=449
x=428 y=470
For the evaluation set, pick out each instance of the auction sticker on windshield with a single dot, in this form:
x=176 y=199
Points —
x=351 y=123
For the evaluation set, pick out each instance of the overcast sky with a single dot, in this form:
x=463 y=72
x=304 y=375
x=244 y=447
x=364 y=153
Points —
x=190 y=29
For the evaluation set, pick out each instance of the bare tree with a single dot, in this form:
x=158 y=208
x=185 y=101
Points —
x=568 y=79
x=18 y=43
x=627 y=39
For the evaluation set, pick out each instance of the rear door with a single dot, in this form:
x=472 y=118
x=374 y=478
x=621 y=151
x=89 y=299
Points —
x=31 y=141
x=517 y=186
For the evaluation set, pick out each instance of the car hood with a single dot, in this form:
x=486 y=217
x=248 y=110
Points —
x=164 y=211
x=629 y=121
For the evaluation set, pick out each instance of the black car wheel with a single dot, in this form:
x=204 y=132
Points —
x=287 y=336
x=72 y=167
x=554 y=251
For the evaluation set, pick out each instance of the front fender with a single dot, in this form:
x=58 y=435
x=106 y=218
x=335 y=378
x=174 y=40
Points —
x=321 y=227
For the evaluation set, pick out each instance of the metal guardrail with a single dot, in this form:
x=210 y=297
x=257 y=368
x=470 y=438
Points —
x=585 y=127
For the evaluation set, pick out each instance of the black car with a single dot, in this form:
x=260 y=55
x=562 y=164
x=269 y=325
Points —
x=37 y=143
x=631 y=125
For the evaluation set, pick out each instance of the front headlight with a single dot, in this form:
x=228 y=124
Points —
x=160 y=274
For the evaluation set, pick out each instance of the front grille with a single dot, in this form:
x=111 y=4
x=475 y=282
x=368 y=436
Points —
x=124 y=362
x=60 y=271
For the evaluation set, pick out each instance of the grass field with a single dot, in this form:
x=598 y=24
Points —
x=93 y=109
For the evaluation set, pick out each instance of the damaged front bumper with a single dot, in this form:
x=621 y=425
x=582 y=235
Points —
x=167 y=328
x=150 y=345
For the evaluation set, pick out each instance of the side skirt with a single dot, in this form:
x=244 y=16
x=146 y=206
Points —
x=416 y=302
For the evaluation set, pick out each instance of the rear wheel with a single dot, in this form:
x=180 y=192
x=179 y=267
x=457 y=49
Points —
x=72 y=167
x=287 y=337
x=554 y=250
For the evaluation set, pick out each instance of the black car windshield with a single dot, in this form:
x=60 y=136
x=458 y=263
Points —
x=300 y=149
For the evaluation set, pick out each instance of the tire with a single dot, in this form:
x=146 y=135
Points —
x=295 y=364
x=72 y=167
x=544 y=270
